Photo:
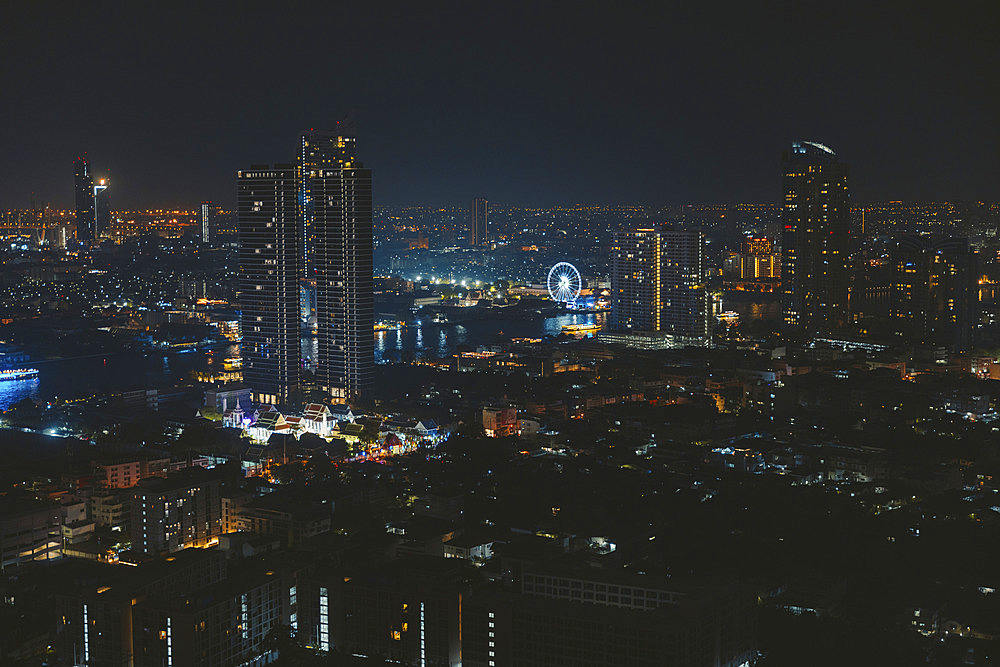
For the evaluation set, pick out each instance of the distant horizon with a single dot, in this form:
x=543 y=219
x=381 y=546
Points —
x=540 y=104
x=192 y=207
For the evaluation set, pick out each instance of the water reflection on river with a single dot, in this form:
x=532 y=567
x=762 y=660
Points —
x=436 y=341
x=83 y=376
x=104 y=373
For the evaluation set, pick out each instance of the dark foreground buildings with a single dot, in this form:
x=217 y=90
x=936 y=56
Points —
x=190 y=608
x=422 y=611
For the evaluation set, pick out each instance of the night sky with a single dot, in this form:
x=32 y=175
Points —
x=526 y=104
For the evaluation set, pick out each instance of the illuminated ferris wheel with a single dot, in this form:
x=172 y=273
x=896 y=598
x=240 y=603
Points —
x=564 y=283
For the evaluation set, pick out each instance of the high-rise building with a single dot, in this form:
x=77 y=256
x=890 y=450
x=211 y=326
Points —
x=933 y=296
x=658 y=285
x=338 y=192
x=635 y=281
x=816 y=237
x=84 y=188
x=207 y=219
x=318 y=149
x=685 y=299
x=268 y=216
x=102 y=208
x=478 y=227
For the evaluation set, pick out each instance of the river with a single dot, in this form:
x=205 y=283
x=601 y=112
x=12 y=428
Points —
x=107 y=373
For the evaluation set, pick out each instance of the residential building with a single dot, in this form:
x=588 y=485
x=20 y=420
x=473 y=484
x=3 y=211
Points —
x=126 y=474
x=658 y=286
x=110 y=510
x=284 y=516
x=182 y=510
x=597 y=618
x=269 y=247
x=339 y=216
x=30 y=531
x=409 y=612
x=934 y=294
x=499 y=422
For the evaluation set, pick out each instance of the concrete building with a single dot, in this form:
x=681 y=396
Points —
x=658 y=287
x=499 y=422
x=269 y=256
x=179 y=511
x=30 y=531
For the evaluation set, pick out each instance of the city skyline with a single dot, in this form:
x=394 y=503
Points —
x=499 y=335
x=692 y=114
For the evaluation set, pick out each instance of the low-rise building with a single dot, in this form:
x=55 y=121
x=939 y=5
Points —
x=30 y=531
x=109 y=510
x=288 y=517
x=318 y=419
x=499 y=422
x=125 y=474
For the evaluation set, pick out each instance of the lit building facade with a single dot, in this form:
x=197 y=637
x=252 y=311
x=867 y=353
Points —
x=500 y=422
x=478 y=222
x=758 y=260
x=206 y=219
x=816 y=238
x=755 y=266
x=102 y=208
x=934 y=291
x=658 y=284
x=318 y=150
x=29 y=532
x=267 y=211
x=179 y=511
x=338 y=192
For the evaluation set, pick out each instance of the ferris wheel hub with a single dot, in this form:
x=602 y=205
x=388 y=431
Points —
x=564 y=283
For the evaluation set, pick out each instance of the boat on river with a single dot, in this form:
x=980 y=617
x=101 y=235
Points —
x=18 y=374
